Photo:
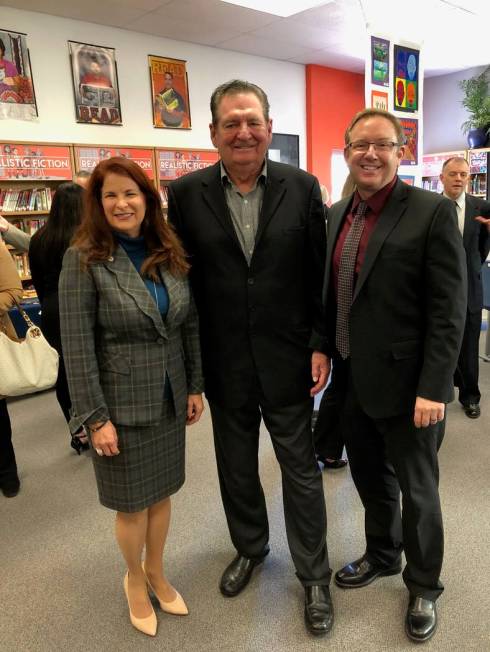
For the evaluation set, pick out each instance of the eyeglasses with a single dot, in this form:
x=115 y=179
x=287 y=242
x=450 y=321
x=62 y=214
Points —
x=379 y=145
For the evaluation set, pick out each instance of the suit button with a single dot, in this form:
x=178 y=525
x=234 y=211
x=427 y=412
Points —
x=160 y=340
x=252 y=308
x=251 y=281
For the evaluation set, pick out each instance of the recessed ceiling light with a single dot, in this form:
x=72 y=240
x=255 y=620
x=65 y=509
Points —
x=283 y=8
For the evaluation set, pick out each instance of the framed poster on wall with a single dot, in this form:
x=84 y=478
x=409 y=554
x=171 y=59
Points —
x=95 y=84
x=17 y=98
x=169 y=93
x=284 y=148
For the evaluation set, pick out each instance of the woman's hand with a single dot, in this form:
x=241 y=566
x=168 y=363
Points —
x=104 y=439
x=195 y=408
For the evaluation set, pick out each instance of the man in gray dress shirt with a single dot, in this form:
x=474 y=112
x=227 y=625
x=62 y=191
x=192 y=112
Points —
x=255 y=233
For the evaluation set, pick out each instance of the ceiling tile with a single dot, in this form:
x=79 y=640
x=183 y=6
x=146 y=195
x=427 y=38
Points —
x=180 y=30
x=263 y=47
x=217 y=14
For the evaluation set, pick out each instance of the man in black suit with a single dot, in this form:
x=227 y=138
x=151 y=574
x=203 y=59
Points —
x=255 y=233
x=395 y=294
x=474 y=225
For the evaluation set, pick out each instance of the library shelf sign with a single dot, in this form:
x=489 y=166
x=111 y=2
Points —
x=86 y=158
x=174 y=163
x=35 y=162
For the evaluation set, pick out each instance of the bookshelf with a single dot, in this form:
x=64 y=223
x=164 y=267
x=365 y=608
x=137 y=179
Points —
x=174 y=163
x=478 y=160
x=86 y=157
x=432 y=166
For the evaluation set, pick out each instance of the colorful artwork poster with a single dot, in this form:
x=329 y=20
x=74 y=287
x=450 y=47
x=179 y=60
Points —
x=95 y=84
x=379 y=100
x=411 y=132
x=86 y=158
x=35 y=162
x=173 y=164
x=380 y=61
x=17 y=98
x=407 y=178
x=478 y=162
x=406 y=79
x=169 y=93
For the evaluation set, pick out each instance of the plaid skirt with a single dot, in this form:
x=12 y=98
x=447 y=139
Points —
x=150 y=465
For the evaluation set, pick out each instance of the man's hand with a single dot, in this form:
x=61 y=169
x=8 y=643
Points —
x=427 y=413
x=483 y=220
x=320 y=370
x=4 y=224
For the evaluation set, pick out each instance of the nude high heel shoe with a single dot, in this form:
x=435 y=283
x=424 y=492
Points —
x=177 y=607
x=146 y=625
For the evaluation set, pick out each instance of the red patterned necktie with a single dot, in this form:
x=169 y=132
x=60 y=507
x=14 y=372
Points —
x=345 y=286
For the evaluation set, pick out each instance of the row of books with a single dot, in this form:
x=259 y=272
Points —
x=22 y=263
x=29 y=199
x=29 y=226
x=164 y=195
x=478 y=184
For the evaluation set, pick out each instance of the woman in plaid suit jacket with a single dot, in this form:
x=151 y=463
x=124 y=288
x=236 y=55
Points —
x=131 y=346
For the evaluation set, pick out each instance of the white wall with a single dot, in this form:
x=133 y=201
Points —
x=207 y=67
x=443 y=112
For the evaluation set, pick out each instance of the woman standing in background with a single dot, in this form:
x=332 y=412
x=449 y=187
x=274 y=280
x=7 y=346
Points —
x=10 y=293
x=46 y=251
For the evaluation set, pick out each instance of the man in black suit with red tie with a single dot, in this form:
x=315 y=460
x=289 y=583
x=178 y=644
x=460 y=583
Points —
x=395 y=290
x=255 y=233
x=474 y=225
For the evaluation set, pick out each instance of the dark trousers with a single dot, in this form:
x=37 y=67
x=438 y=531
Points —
x=466 y=376
x=236 y=437
x=386 y=456
x=327 y=434
x=8 y=466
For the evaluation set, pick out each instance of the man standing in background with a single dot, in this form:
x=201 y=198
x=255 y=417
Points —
x=255 y=233
x=474 y=225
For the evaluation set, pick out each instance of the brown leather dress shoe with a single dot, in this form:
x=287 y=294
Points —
x=361 y=573
x=421 y=620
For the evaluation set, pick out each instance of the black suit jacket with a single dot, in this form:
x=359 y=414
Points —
x=476 y=241
x=409 y=303
x=263 y=320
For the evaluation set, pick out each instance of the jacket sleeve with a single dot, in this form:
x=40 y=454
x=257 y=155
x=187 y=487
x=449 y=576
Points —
x=78 y=322
x=192 y=351
x=484 y=239
x=316 y=252
x=17 y=238
x=446 y=299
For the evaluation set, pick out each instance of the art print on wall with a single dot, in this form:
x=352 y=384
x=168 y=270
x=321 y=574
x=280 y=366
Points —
x=411 y=132
x=95 y=84
x=284 y=148
x=380 y=61
x=17 y=98
x=169 y=93
x=379 y=100
x=407 y=178
x=406 y=79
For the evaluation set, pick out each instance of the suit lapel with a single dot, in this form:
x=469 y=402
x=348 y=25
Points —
x=129 y=281
x=390 y=215
x=175 y=295
x=335 y=218
x=469 y=213
x=214 y=196
x=274 y=192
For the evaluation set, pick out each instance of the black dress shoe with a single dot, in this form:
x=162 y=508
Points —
x=331 y=464
x=10 y=488
x=421 y=620
x=318 y=610
x=237 y=575
x=361 y=573
x=472 y=410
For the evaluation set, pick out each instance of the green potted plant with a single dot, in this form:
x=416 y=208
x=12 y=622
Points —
x=476 y=100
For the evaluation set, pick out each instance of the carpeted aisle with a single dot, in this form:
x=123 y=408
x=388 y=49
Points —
x=61 y=573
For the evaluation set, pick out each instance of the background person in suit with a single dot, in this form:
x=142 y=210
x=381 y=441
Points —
x=10 y=293
x=395 y=290
x=255 y=232
x=131 y=348
x=474 y=225
x=46 y=251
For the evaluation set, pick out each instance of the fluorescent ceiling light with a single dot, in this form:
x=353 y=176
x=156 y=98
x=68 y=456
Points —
x=283 y=8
